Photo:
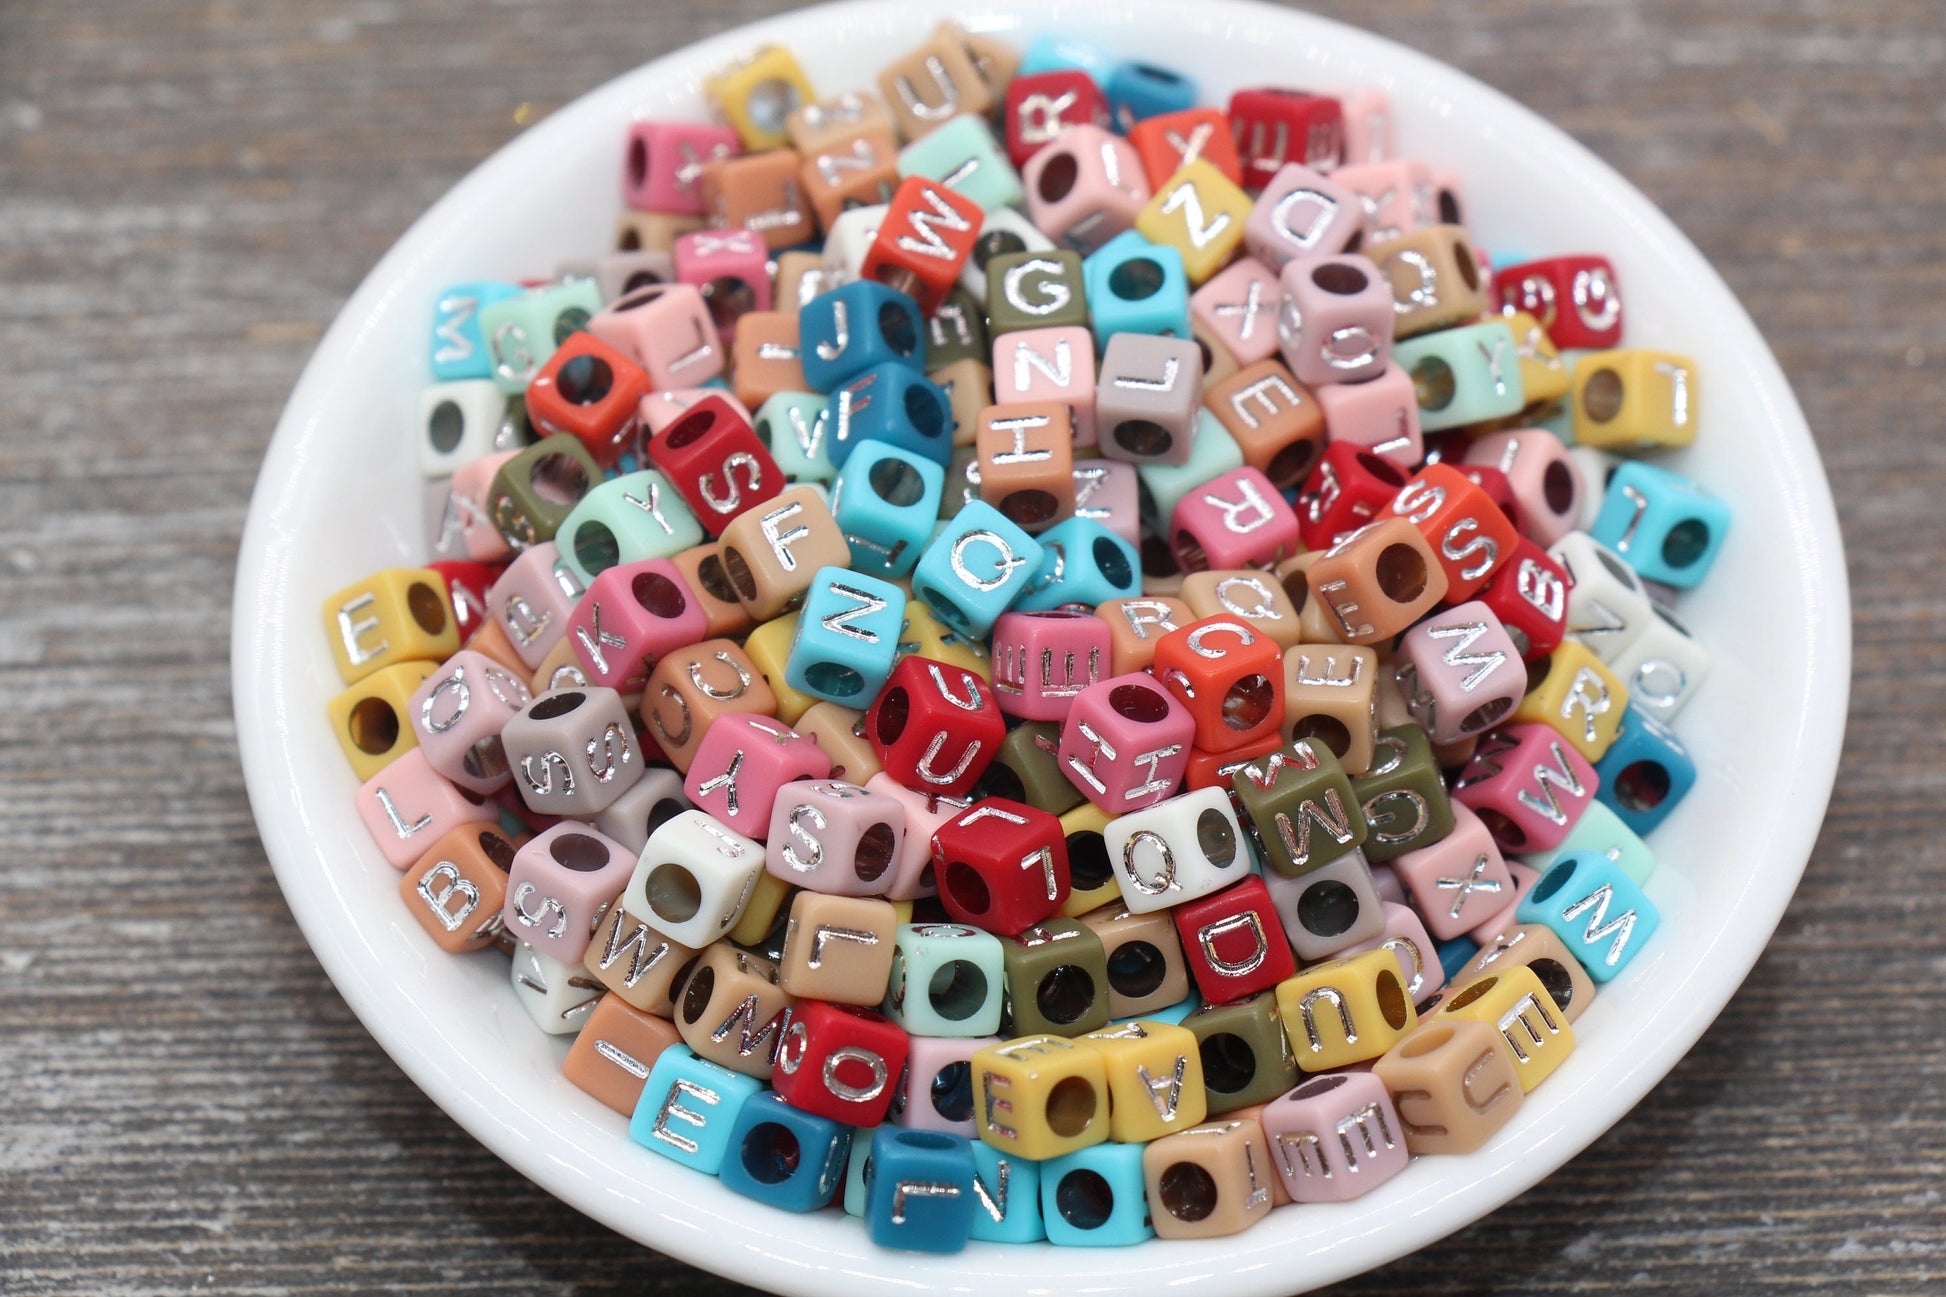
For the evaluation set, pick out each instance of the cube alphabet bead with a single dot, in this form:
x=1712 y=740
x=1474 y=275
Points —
x=1209 y=1181
x=689 y=1107
x=1200 y=212
x=1403 y=795
x=977 y=566
x=1235 y=520
x=1042 y=105
x=934 y=726
x=1460 y=672
x=534 y=492
x=1330 y=698
x=1091 y=874
x=1246 y=1052
x=1645 y=773
x=1234 y=942
x=1041 y=1096
x=1517 y=1006
x=784 y=1157
x=1528 y=784
x=1026 y=463
x=456 y=888
x=933 y=84
x=1634 y=399
x=1346 y=1011
x=741 y=768
x=1126 y=743
x=1458 y=882
x=1168 y=141
x=558 y=996
x=839 y=1062
x=1179 y=850
x=856 y=327
x=731 y=1011
x=664 y=159
x=1405 y=935
x=1146 y=969
x=691 y=687
x=936 y=1090
x=1666 y=527
x=458 y=349
x=1535 y=946
x=372 y=719
x=762 y=193
x=771 y=554
x=631 y=615
x=1454 y=1084
x=1147 y=398
x=835 y=837
x=847 y=636
x=1035 y=289
x=1301 y=215
x=668 y=330
x=1276 y=422
x=523 y=330
x=886 y=503
x=572 y=751
x=1008 y=1191
x=1335 y=1138
x=1155 y=1079
x=1574 y=298
x=1463 y=376
x=1084 y=187
x=1057 y=979
x=1599 y=913
x=693 y=878
x=1228 y=677
x=923 y=241
x=1135 y=286
x=1335 y=324
x=947 y=980
x=717 y=463
x=590 y=391
x=1095 y=1197
x=1041 y=366
x=560 y=886
x=1607 y=608
x=1001 y=866
x=920 y=1190
x=1576 y=695
x=1300 y=804
x=840 y=731
x=1273 y=126
x=1529 y=594
x=637 y=963
x=1347 y=489
x=407 y=807
x=861 y=167
x=615 y=1051
x=1662 y=668
x=792 y=425
x=1042 y=660
x=1435 y=278
x=393 y=616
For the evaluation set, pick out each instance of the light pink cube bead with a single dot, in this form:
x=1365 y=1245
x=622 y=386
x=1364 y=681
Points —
x=1239 y=306
x=1335 y=1137
x=665 y=160
x=1458 y=882
x=632 y=614
x=1085 y=187
x=1406 y=937
x=1237 y=519
x=1396 y=196
x=1048 y=365
x=827 y=835
x=1041 y=660
x=1125 y=743
x=1524 y=880
x=1303 y=214
x=1385 y=881
x=1380 y=415
x=1109 y=492
x=458 y=714
x=1368 y=125
x=715 y=261
x=1335 y=325
x=660 y=409
x=667 y=330
x=1545 y=480
x=1460 y=672
x=408 y=806
x=912 y=873
x=560 y=886
x=471 y=482
x=918 y=1105
x=742 y=764
x=1529 y=785
x=532 y=601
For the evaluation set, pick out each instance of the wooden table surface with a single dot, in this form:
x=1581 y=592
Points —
x=188 y=192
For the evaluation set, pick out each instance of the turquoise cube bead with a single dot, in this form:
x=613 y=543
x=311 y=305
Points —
x=1134 y=286
x=785 y=1157
x=1212 y=453
x=964 y=156
x=856 y=327
x=1466 y=375
x=1602 y=832
x=1083 y=562
x=892 y=404
x=976 y=567
x=625 y=520
x=1456 y=953
x=458 y=347
x=947 y=980
x=919 y=1193
x=1661 y=524
x=1597 y=911
x=1173 y=1013
x=689 y=1109
x=1138 y=91
x=1052 y=52
x=1008 y=1192
x=1645 y=772
x=886 y=502
x=792 y=427
x=1096 y=1197
x=847 y=638
x=521 y=332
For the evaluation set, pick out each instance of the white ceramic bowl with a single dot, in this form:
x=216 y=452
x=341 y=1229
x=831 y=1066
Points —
x=339 y=498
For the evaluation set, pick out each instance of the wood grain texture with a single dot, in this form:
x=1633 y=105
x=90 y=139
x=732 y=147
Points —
x=188 y=192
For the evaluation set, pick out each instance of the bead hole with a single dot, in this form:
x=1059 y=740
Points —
x=1433 y=384
x=373 y=726
x=1324 y=729
x=1071 y=1108
x=1088 y=864
x=1401 y=573
x=1247 y=703
x=1229 y=1063
x=951 y=1092
x=1601 y=396
x=674 y=893
x=691 y=428
x=771 y=1153
x=1469 y=994
x=1136 y=279
x=1065 y=994
x=553 y=705
x=894 y=709
x=658 y=596
x=742 y=580
x=1030 y=507
x=1642 y=785
x=898 y=328
x=585 y=380
x=1058 y=177
x=1341 y=278
x=558 y=479
x=968 y=890
x=1686 y=542
x=896 y=482
x=595 y=547
x=1327 y=908
x=1391 y=1000
x=1216 y=838
x=445 y=426
x=876 y=848
x=1137 y=969
x=578 y=852
x=427 y=607
x=1143 y=437
x=1312 y=1089
x=1112 y=563
x=957 y=990
x=1137 y=704
x=1188 y=1192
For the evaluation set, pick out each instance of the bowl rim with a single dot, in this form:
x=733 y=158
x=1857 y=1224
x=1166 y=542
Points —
x=264 y=709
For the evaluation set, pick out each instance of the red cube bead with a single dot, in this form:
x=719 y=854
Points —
x=717 y=462
x=1168 y=141
x=1233 y=942
x=1273 y=127
x=1229 y=677
x=466 y=585
x=1575 y=299
x=1469 y=534
x=1041 y=106
x=1002 y=866
x=591 y=392
x=923 y=242
x=1348 y=488
x=1214 y=769
x=840 y=1062
x=1529 y=594
x=935 y=727
x=1498 y=489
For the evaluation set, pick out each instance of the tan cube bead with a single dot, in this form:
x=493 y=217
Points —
x=615 y=1050
x=933 y=84
x=1454 y=1083
x=1146 y=968
x=1517 y=1006
x=1219 y=362
x=560 y=669
x=691 y=687
x=840 y=731
x=1279 y=1195
x=703 y=572
x=1277 y=423
x=763 y=192
x=1315 y=625
x=491 y=639
x=996 y=61
x=731 y=1011
x=1134 y=626
x=1536 y=947
x=1377 y=581
x=638 y=963
x=1330 y=695
x=858 y=170
x=801 y=276
x=652 y=231
x=764 y=358
x=838 y=948
x=814 y=128
x=1026 y=459
x=1249 y=595
x=457 y=888
x=968 y=385
x=772 y=552
x=1209 y=1181
x=1435 y=278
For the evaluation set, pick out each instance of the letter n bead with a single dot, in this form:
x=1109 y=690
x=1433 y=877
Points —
x=1002 y=866
x=1528 y=786
x=847 y=637
x=1126 y=743
x=935 y=727
x=1595 y=909
x=1209 y=1181
x=1335 y=1137
x=919 y=1190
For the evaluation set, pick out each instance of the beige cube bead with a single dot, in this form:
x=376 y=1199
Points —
x=838 y=948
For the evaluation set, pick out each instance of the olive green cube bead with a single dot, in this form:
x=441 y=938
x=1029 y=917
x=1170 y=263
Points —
x=1028 y=769
x=1035 y=290
x=1403 y=796
x=957 y=331
x=1057 y=980
x=535 y=491
x=1247 y=1057
x=1300 y=803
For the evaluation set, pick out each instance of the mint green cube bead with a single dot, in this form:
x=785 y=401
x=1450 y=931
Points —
x=792 y=427
x=1463 y=376
x=947 y=980
x=1212 y=453
x=1601 y=832
x=625 y=520
x=964 y=156
x=522 y=332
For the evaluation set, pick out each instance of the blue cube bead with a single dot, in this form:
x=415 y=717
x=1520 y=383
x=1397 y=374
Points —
x=855 y=327
x=1661 y=524
x=1052 y=52
x=919 y=1190
x=1595 y=909
x=785 y=1157
x=1645 y=771
x=1173 y=1013
x=458 y=348
x=886 y=502
x=1007 y=1191
x=792 y=427
x=1096 y=1197
x=1138 y=91
x=1083 y=562
x=847 y=638
x=1134 y=286
x=892 y=404
x=689 y=1109
x=1456 y=953
x=977 y=566
x=964 y=156
x=1602 y=832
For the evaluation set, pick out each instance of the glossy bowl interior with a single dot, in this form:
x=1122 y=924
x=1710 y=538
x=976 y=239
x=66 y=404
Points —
x=339 y=497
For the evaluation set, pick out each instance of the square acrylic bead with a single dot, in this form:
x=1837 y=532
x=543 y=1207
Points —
x=1084 y=187
x=1096 y=1198
x=1041 y=105
x=1460 y=672
x=1147 y=398
x=1008 y=1191
x=1574 y=298
x=1545 y=481
x=840 y=731
x=1529 y=594
x=1597 y=911
x=975 y=568
x=1299 y=802
x=558 y=997
x=1464 y=375
x=1406 y=937
x=1536 y=947
x=618 y=273
x=1179 y=850
x=1330 y=698
x=963 y=156
x=1247 y=1056
x=770 y=554
x=1143 y=952
x=1155 y=1079
x=933 y=84
x=923 y=240
x=572 y=751
x=1379 y=415
x=1347 y=1011
x=1209 y=1181
x=934 y=726
x=1454 y=1085
x=1602 y=831
x=532 y=601
x=560 y=886
x=839 y=1062
x=1458 y=882
x=693 y=878
x=637 y=963
x=1057 y=979
x=615 y=1051
x=731 y=1011
x=626 y=519
x=1633 y=400
x=1661 y=524
x=716 y=462
x=1200 y=212
x=458 y=349
x=1135 y=286
x=591 y=392
x=1228 y=676
x=1576 y=695
x=1645 y=773
x=831 y=836
x=371 y=720
x=1435 y=277
x=1249 y=595
x=522 y=331
x=1335 y=324
x=393 y=616
x=1662 y=668
x=947 y=980
x=1469 y=533
x=1240 y=308
x=847 y=170
x=1043 y=659
x=760 y=192
x=456 y=423
x=1168 y=140
x=407 y=806
x=1273 y=126
x=886 y=503
x=919 y=1194
x=856 y=327
x=1082 y=564
x=893 y=404
x=1001 y=866
x=1125 y=743
x=1607 y=608
x=1237 y=519
x=1301 y=215
x=1277 y=423
x=690 y=687
x=1034 y=289
x=688 y=1109
x=792 y=425
x=1026 y=463
x=1139 y=91
x=1528 y=785
x=784 y=1157
x=935 y=1092
x=668 y=330
x=847 y=636
x=1335 y=1138
x=1328 y=910
x=1403 y=795
x=742 y=766
x=536 y=490
x=1039 y=366
x=1041 y=1096
x=631 y=615
x=456 y=888
x=1233 y=942
x=663 y=161
x=1517 y=1006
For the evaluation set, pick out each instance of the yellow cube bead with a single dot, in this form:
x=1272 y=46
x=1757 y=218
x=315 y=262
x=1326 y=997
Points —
x=769 y=647
x=1155 y=1079
x=1633 y=399
x=926 y=636
x=766 y=901
x=1040 y=1096
x=1543 y=374
x=372 y=718
x=1580 y=697
x=1346 y=1011
x=1199 y=213
x=401 y=614
x=1091 y=872
x=758 y=93
x=1514 y=1003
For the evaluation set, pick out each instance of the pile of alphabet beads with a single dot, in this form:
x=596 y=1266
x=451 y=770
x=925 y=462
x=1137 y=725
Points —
x=1152 y=719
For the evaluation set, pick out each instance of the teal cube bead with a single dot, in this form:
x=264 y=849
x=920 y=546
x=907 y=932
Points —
x=1645 y=773
x=919 y=1191
x=1455 y=953
x=892 y=404
x=847 y=638
x=886 y=502
x=1600 y=831
x=1134 y=286
x=792 y=427
x=459 y=349
x=522 y=332
x=856 y=327
x=1661 y=524
x=947 y=980
x=1053 y=52
x=689 y=1109
x=1212 y=453
x=975 y=568
x=785 y=1157
x=1597 y=911
x=964 y=156
x=625 y=520
x=1084 y=562
x=1096 y=1197
x=1139 y=91
x=1008 y=1192
x=1463 y=376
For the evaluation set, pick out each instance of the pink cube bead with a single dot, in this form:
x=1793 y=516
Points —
x=912 y=872
x=1385 y=881
x=1057 y=365
x=1336 y=322
x=1379 y=415
x=1125 y=743
x=1524 y=880
x=1406 y=937
x=1109 y=492
x=1085 y=187
x=471 y=482
x=1460 y=672
x=1368 y=125
x=667 y=329
x=731 y=268
x=660 y=409
x=408 y=806
x=1545 y=480
x=1239 y=306
x=560 y=886
x=1458 y=882
x=742 y=764
x=1335 y=1137
x=532 y=602
x=1529 y=785
x=1302 y=214
x=458 y=714
x=1041 y=660
x=1396 y=196
x=665 y=160
x=1237 y=519
x=830 y=836
x=938 y=1084
x=632 y=614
